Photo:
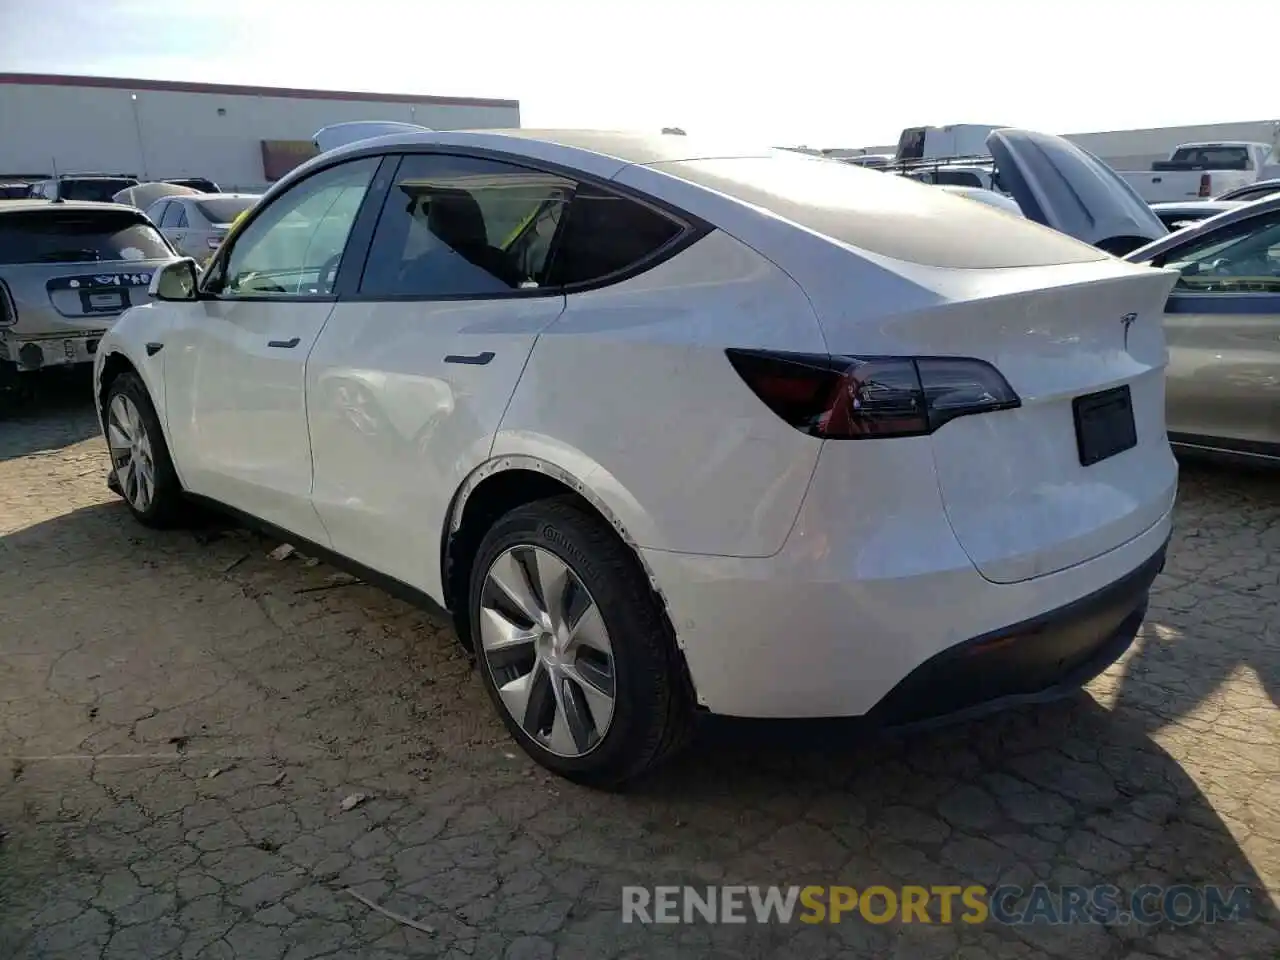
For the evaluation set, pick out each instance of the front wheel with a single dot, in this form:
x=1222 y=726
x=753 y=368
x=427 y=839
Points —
x=140 y=462
x=574 y=649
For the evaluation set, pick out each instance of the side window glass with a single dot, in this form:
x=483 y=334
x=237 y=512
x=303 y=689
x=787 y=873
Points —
x=293 y=248
x=155 y=212
x=1244 y=258
x=180 y=217
x=170 y=218
x=461 y=226
x=957 y=178
x=605 y=233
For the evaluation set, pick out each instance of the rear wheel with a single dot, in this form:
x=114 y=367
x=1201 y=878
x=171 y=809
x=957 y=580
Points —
x=140 y=462
x=574 y=650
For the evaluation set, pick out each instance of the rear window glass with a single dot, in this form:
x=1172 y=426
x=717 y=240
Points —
x=957 y=178
x=224 y=209
x=77 y=238
x=1216 y=158
x=100 y=189
x=887 y=215
x=607 y=233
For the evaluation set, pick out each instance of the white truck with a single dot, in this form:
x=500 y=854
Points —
x=1198 y=171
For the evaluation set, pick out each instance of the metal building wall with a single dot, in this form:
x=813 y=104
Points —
x=216 y=132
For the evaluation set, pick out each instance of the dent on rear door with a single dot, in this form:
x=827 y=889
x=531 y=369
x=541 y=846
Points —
x=403 y=401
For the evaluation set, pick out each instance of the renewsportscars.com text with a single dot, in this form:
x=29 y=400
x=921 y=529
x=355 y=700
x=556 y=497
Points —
x=972 y=904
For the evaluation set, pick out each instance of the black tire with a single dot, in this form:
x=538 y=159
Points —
x=653 y=704
x=166 y=506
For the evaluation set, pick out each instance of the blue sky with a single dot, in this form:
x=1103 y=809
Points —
x=820 y=72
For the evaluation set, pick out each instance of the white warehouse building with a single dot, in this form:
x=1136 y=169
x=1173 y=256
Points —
x=241 y=137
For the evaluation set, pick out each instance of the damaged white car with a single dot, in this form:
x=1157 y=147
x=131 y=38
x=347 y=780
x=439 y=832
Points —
x=671 y=428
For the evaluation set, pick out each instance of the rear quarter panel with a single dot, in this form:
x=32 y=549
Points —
x=631 y=393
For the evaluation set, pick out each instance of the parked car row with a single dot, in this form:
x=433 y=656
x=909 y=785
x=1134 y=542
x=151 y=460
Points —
x=99 y=187
x=69 y=267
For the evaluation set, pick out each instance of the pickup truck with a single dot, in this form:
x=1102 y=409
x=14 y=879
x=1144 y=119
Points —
x=1198 y=171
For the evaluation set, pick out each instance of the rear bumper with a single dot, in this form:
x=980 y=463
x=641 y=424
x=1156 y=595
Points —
x=814 y=633
x=38 y=352
x=1029 y=662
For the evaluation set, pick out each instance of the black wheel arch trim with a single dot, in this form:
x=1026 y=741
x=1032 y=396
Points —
x=501 y=464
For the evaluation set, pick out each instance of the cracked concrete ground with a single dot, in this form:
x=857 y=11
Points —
x=181 y=718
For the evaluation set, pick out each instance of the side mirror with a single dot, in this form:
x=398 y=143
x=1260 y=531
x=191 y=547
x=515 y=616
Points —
x=176 y=280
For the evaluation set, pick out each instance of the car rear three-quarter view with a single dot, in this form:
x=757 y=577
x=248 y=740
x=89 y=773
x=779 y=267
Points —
x=893 y=454
x=671 y=428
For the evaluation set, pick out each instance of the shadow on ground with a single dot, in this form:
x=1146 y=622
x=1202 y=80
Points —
x=52 y=410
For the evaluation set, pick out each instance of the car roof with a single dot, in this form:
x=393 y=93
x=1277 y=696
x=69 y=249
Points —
x=639 y=147
x=17 y=206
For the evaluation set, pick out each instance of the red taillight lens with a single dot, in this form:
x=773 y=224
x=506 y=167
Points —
x=850 y=397
x=1205 y=181
x=8 y=312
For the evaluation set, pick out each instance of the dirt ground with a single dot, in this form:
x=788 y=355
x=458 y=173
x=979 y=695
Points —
x=182 y=718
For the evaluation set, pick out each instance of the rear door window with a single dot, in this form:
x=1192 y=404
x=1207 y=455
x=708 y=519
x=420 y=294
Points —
x=51 y=235
x=607 y=234
x=464 y=226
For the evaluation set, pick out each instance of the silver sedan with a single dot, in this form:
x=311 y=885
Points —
x=1222 y=324
x=196 y=225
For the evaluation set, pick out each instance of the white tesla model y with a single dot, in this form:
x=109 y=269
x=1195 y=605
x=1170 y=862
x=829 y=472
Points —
x=670 y=428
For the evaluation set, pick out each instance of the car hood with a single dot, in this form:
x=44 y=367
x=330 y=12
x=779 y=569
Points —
x=1062 y=186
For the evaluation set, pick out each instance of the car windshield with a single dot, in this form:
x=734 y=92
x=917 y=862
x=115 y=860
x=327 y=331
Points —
x=100 y=189
x=224 y=209
x=77 y=236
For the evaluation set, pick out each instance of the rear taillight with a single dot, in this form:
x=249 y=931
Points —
x=852 y=397
x=8 y=310
x=1205 y=183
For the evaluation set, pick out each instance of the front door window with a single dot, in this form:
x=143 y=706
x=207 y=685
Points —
x=294 y=246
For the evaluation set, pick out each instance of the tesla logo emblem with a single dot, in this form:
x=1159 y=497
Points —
x=1127 y=320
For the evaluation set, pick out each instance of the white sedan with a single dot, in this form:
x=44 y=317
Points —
x=670 y=427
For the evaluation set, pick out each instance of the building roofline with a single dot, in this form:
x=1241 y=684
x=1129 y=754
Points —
x=244 y=90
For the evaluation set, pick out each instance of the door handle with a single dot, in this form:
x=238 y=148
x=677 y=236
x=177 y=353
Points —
x=285 y=344
x=479 y=359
